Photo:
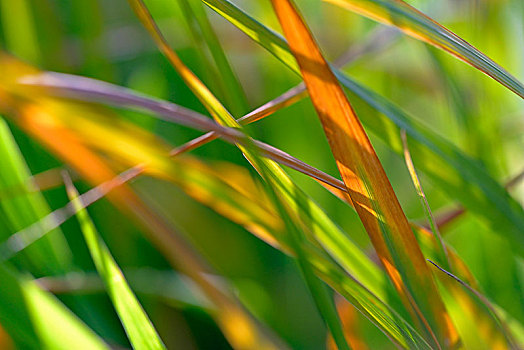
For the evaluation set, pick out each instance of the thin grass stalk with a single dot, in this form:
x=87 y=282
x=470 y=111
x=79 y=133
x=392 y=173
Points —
x=443 y=252
x=486 y=302
x=91 y=90
x=232 y=89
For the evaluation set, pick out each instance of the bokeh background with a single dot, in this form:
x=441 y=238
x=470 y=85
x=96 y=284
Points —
x=104 y=40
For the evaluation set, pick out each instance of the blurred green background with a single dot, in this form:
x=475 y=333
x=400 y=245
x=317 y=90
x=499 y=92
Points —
x=104 y=40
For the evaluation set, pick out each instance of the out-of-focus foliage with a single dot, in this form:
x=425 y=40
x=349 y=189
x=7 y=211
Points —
x=223 y=248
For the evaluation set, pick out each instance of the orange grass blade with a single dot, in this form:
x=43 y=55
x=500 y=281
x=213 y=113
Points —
x=469 y=311
x=368 y=186
x=237 y=326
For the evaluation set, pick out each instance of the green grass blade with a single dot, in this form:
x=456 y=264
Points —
x=139 y=328
x=503 y=326
x=368 y=186
x=374 y=309
x=324 y=302
x=421 y=27
x=51 y=255
x=340 y=246
x=37 y=320
x=209 y=72
x=233 y=92
x=268 y=169
x=267 y=38
x=449 y=168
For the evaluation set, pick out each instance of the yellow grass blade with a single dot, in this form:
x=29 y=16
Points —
x=367 y=184
x=419 y=26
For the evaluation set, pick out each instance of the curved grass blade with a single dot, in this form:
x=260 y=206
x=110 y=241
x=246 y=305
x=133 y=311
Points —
x=268 y=170
x=92 y=90
x=38 y=320
x=48 y=121
x=323 y=229
x=449 y=168
x=52 y=254
x=367 y=184
x=442 y=251
x=139 y=328
x=487 y=304
x=414 y=23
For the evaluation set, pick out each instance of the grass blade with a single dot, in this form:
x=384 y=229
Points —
x=30 y=315
x=369 y=189
x=271 y=173
x=321 y=227
x=421 y=27
x=232 y=89
x=450 y=169
x=487 y=304
x=139 y=328
x=20 y=32
x=51 y=255
x=443 y=253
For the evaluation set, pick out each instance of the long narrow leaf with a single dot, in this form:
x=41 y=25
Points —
x=48 y=121
x=38 y=320
x=232 y=89
x=138 y=327
x=455 y=173
x=414 y=23
x=368 y=187
x=52 y=254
